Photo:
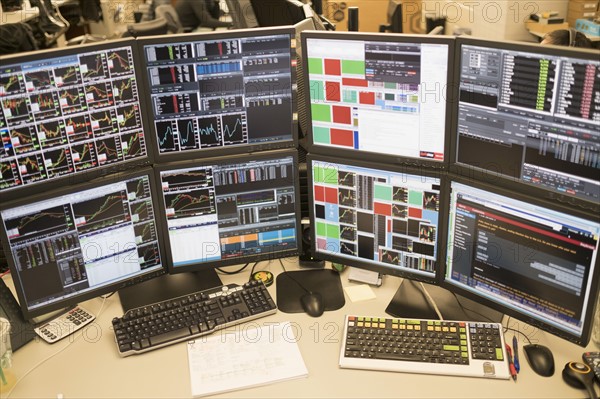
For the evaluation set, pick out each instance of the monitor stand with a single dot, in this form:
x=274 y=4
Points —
x=411 y=302
x=167 y=286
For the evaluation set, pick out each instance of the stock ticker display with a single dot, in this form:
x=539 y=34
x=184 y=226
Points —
x=68 y=244
x=387 y=218
x=66 y=114
x=531 y=116
x=230 y=210
x=221 y=93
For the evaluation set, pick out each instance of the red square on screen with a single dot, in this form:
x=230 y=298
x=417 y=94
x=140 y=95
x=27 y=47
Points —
x=319 y=193
x=342 y=137
x=333 y=92
x=342 y=114
x=331 y=195
x=321 y=243
x=333 y=67
x=415 y=213
x=382 y=209
x=366 y=97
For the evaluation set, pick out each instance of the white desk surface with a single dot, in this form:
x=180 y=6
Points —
x=87 y=364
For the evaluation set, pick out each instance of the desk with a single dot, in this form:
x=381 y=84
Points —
x=87 y=365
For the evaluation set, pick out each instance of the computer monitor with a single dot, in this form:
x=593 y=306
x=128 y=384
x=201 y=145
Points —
x=380 y=97
x=532 y=259
x=375 y=217
x=230 y=210
x=527 y=113
x=69 y=114
x=82 y=241
x=242 y=14
x=278 y=12
x=221 y=93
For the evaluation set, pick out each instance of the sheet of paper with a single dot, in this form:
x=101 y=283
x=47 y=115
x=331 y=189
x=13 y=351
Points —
x=360 y=292
x=242 y=357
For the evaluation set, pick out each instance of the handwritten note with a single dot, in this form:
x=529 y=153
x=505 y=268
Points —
x=244 y=356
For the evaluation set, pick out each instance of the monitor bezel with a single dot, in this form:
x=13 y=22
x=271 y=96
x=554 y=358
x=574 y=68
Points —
x=71 y=189
x=519 y=195
x=492 y=176
x=224 y=160
x=381 y=268
x=86 y=175
x=174 y=156
x=381 y=37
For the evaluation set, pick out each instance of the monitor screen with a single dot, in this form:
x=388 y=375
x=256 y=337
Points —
x=529 y=113
x=229 y=211
x=278 y=12
x=242 y=14
x=82 y=241
x=531 y=260
x=69 y=112
x=221 y=93
x=378 y=96
x=375 y=217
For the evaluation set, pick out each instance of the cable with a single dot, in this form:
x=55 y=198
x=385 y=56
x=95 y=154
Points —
x=292 y=277
x=465 y=309
x=431 y=301
x=252 y=270
x=507 y=328
x=77 y=338
x=218 y=269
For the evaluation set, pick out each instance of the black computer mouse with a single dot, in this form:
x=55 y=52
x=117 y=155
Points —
x=312 y=303
x=540 y=359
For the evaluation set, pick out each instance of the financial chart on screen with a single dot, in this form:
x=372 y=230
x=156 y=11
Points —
x=531 y=115
x=63 y=114
x=72 y=244
x=378 y=96
x=376 y=216
x=240 y=210
x=217 y=93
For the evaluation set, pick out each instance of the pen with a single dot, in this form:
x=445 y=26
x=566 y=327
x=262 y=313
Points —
x=516 y=353
x=511 y=365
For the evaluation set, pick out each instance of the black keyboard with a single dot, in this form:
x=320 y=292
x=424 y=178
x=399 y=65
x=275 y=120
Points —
x=424 y=346
x=180 y=319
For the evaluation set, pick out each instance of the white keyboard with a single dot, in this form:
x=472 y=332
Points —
x=424 y=346
x=64 y=325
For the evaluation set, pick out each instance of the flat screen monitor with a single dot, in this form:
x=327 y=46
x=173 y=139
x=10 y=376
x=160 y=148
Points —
x=68 y=114
x=278 y=12
x=380 y=97
x=221 y=93
x=380 y=218
x=529 y=113
x=242 y=14
x=394 y=17
x=82 y=241
x=531 y=259
x=231 y=210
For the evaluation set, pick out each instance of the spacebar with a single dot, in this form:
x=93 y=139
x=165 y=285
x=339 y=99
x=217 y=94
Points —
x=398 y=356
x=170 y=336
